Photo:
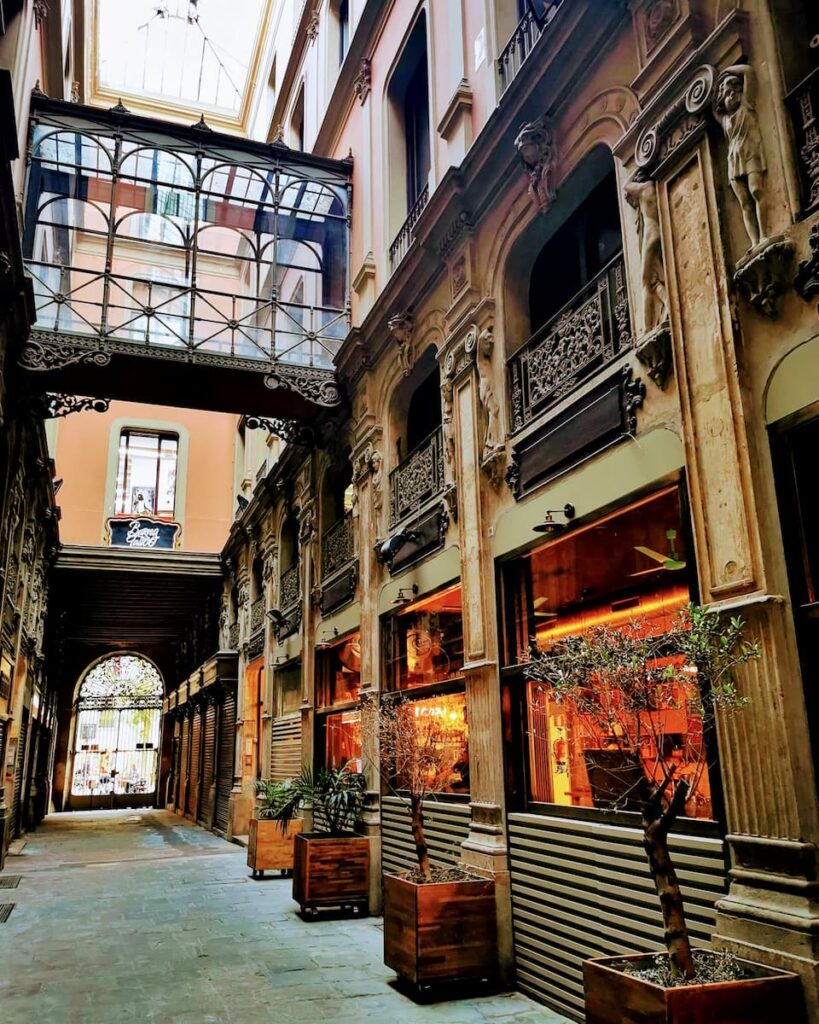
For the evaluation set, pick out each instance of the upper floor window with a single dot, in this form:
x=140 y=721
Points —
x=297 y=121
x=409 y=103
x=146 y=474
x=343 y=30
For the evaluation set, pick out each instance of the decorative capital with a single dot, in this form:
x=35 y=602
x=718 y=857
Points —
x=536 y=148
x=362 y=81
x=40 y=8
x=762 y=275
x=654 y=352
x=401 y=327
x=683 y=120
x=313 y=26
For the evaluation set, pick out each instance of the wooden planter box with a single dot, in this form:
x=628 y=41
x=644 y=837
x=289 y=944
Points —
x=613 y=997
x=440 y=931
x=331 y=871
x=268 y=848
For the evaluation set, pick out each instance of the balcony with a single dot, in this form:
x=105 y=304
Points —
x=339 y=568
x=406 y=236
x=527 y=33
x=418 y=479
x=803 y=103
x=233 y=636
x=257 y=615
x=337 y=547
x=290 y=605
x=588 y=333
x=172 y=261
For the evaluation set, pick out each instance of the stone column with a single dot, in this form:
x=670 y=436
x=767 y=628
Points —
x=474 y=419
x=307 y=567
x=770 y=912
x=366 y=459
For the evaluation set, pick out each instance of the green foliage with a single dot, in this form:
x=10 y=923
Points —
x=336 y=796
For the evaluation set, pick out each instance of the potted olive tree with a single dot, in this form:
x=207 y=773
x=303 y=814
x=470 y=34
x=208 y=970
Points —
x=270 y=844
x=628 y=685
x=440 y=922
x=331 y=864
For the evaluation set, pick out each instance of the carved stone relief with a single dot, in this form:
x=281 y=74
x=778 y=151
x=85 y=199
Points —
x=493 y=439
x=641 y=194
x=806 y=281
x=401 y=327
x=536 y=148
x=362 y=81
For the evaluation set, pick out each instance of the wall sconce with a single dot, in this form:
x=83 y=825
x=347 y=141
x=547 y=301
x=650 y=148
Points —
x=405 y=598
x=326 y=641
x=280 y=660
x=549 y=526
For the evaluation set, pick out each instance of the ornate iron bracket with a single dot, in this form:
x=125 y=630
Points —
x=55 y=406
x=319 y=386
x=286 y=430
x=51 y=354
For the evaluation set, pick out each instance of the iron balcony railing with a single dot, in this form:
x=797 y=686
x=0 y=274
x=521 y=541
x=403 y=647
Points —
x=257 y=614
x=406 y=236
x=588 y=333
x=289 y=589
x=418 y=479
x=233 y=636
x=337 y=547
x=529 y=30
x=803 y=102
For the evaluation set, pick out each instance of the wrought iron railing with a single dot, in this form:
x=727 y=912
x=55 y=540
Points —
x=804 y=106
x=337 y=546
x=405 y=237
x=257 y=614
x=527 y=33
x=418 y=479
x=233 y=636
x=588 y=333
x=289 y=589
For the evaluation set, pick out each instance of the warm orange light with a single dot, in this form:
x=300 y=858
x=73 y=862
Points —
x=668 y=601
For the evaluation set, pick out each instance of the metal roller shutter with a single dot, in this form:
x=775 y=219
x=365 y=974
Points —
x=446 y=825
x=19 y=772
x=224 y=769
x=183 y=772
x=581 y=888
x=196 y=761
x=208 y=762
x=285 y=748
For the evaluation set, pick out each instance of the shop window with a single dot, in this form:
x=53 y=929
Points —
x=424 y=654
x=288 y=689
x=629 y=565
x=338 y=718
x=425 y=643
x=146 y=474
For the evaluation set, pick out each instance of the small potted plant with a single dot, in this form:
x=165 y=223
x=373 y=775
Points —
x=440 y=922
x=270 y=845
x=331 y=867
x=629 y=686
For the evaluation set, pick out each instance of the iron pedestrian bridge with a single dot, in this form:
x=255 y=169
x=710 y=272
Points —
x=180 y=266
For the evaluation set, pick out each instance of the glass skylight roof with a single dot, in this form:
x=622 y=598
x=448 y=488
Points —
x=194 y=53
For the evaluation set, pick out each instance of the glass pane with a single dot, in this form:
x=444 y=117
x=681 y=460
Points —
x=426 y=641
x=342 y=741
x=442 y=720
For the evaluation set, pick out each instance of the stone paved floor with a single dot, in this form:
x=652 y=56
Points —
x=141 y=916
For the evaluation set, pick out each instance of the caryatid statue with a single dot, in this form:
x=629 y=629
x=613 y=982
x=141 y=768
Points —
x=641 y=194
x=735 y=107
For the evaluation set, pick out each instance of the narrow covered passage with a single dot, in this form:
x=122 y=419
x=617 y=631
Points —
x=139 y=915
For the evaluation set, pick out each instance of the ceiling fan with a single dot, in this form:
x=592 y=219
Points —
x=671 y=561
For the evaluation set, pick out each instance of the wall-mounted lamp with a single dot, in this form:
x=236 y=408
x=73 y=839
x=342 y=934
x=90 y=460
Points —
x=549 y=525
x=403 y=597
x=326 y=641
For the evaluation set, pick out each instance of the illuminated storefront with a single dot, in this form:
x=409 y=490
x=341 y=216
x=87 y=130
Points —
x=338 y=718
x=424 y=658
x=626 y=566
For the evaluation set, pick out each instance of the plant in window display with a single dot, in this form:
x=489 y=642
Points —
x=631 y=713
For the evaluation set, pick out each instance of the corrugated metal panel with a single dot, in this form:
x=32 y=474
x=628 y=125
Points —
x=446 y=825
x=224 y=769
x=183 y=774
x=581 y=889
x=196 y=760
x=208 y=760
x=285 y=748
x=19 y=772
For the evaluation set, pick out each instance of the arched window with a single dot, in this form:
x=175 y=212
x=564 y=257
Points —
x=116 y=741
